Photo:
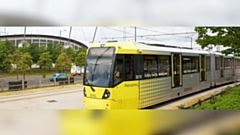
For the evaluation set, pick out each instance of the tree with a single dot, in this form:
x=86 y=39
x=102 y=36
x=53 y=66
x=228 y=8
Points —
x=7 y=63
x=63 y=62
x=24 y=48
x=6 y=48
x=45 y=62
x=3 y=55
x=33 y=49
x=25 y=63
x=16 y=56
x=10 y=46
x=42 y=49
x=80 y=59
x=226 y=36
x=55 y=52
x=71 y=53
x=81 y=49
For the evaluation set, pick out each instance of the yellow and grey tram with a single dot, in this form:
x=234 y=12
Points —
x=129 y=75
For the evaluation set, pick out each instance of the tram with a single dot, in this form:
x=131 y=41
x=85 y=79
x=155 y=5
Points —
x=130 y=75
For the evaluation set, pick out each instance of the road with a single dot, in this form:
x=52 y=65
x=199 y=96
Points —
x=71 y=97
x=68 y=97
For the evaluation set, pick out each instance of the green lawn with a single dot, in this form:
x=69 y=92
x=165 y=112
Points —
x=228 y=100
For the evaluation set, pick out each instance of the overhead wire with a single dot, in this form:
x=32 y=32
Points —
x=155 y=35
x=150 y=36
x=189 y=36
x=158 y=31
x=156 y=39
x=119 y=30
x=84 y=35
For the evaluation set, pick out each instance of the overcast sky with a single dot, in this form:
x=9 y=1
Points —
x=165 y=35
x=119 y=12
x=114 y=16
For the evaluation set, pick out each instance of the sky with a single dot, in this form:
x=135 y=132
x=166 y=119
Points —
x=112 y=17
x=119 y=12
x=162 y=35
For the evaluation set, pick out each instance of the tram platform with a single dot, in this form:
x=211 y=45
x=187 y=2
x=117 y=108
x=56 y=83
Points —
x=195 y=98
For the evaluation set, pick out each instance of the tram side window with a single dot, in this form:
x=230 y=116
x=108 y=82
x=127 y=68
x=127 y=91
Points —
x=208 y=63
x=237 y=63
x=150 y=67
x=232 y=63
x=217 y=63
x=194 y=64
x=186 y=65
x=190 y=64
x=163 y=65
x=118 y=71
x=227 y=63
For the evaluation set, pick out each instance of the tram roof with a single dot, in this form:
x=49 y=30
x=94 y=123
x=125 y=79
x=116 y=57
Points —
x=136 y=48
x=169 y=49
x=223 y=55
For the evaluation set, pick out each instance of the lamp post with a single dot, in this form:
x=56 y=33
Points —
x=60 y=32
x=135 y=37
x=191 y=40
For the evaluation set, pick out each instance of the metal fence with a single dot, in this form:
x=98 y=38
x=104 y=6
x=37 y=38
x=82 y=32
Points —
x=7 y=84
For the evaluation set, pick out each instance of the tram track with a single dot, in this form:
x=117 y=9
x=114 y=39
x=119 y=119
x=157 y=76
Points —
x=38 y=94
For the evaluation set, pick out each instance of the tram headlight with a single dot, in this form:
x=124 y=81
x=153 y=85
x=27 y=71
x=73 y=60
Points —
x=106 y=94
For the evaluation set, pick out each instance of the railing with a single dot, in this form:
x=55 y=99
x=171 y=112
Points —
x=7 y=84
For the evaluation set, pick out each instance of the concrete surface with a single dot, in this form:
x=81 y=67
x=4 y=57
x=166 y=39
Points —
x=194 y=99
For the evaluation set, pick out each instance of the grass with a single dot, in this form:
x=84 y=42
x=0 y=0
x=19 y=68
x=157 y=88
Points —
x=228 y=100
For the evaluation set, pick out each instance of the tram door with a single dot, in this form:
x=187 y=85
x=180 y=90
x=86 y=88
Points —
x=128 y=67
x=176 y=66
x=221 y=67
x=233 y=66
x=203 y=69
